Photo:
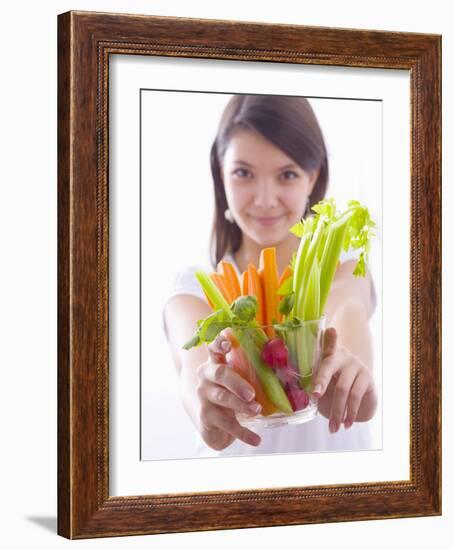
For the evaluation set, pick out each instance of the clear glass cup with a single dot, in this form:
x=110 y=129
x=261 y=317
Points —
x=279 y=363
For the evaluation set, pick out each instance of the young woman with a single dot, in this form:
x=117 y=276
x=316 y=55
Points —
x=269 y=166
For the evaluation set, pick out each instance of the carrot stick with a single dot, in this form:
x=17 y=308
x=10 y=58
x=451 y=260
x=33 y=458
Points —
x=269 y=332
x=229 y=272
x=255 y=289
x=268 y=263
x=227 y=285
x=221 y=285
x=209 y=301
x=287 y=272
x=245 y=283
x=261 y=274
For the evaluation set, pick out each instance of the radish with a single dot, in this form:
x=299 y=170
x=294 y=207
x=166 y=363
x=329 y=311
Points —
x=289 y=375
x=275 y=353
x=298 y=397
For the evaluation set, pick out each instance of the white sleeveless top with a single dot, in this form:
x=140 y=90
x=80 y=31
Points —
x=313 y=436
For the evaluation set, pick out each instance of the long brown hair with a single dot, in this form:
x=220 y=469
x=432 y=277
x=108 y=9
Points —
x=287 y=122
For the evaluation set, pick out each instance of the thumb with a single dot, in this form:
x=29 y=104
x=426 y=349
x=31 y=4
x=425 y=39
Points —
x=218 y=348
x=330 y=337
x=329 y=343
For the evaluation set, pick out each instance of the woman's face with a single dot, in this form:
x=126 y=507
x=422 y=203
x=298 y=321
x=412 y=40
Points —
x=266 y=190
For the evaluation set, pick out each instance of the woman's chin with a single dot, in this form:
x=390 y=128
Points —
x=267 y=238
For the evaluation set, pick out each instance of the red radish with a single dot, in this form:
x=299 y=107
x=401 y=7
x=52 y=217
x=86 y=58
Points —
x=289 y=375
x=298 y=398
x=275 y=353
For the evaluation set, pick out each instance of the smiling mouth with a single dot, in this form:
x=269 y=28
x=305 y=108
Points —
x=268 y=220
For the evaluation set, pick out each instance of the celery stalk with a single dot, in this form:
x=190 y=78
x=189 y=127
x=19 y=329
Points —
x=311 y=303
x=306 y=340
x=330 y=257
x=300 y=261
x=322 y=240
x=213 y=292
x=304 y=357
x=307 y=267
x=269 y=380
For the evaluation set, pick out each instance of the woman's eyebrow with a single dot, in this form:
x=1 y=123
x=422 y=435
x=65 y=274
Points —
x=238 y=161
x=286 y=167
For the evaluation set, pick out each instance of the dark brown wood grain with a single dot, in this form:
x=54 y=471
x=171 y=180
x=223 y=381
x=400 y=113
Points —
x=85 y=41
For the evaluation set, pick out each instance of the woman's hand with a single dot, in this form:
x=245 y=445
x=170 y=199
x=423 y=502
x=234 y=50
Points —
x=222 y=392
x=344 y=385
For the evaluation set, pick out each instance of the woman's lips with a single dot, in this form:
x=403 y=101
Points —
x=269 y=221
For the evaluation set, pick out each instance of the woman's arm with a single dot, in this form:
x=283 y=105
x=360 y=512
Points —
x=211 y=391
x=350 y=305
x=181 y=315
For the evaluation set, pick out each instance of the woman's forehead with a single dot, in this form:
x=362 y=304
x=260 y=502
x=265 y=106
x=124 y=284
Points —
x=248 y=146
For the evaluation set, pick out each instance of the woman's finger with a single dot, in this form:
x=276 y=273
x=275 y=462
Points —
x=329 y=342
x=340 y=396
x=223 y=375
x=226 y=420
x=359 y=388
x=223 y=397
x=215 y=438
x=218 y=348
x=212 y=435
x=328 y=368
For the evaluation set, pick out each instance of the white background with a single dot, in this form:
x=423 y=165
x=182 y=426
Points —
x=175 y=156
x=130 y=477
x=28 y=217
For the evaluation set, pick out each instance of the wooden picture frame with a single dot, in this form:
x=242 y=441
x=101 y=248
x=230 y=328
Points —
x=85 y=41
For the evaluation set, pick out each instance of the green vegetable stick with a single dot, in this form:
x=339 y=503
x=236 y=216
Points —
x=311 y=300
x=300 y=260
x=304 y=356
x=305 y=341
x=330 y=257
x=213 y=292
x=307 y=267
x=269 y=380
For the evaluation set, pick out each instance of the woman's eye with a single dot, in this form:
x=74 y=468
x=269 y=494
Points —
x=290 y=175
x=241 y=172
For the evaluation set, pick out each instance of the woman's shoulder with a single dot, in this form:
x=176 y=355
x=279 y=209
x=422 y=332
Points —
x=186 y=282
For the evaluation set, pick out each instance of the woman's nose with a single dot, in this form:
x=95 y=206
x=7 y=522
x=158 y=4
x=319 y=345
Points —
x=266 y=195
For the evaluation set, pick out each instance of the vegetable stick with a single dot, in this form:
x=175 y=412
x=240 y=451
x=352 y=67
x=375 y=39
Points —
x=214 y=294
x=300 y=261
x=268 y=263
x=251 y=344
x=255 y=289
x=311 y=301
x=228 y=287
x=229 y=272
x=209 y=301
x=270 y=333
x=221 y=285
x=287 y=272
x=330 y=257
x=241 y=364
x=306 y=268
x=245 y=283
